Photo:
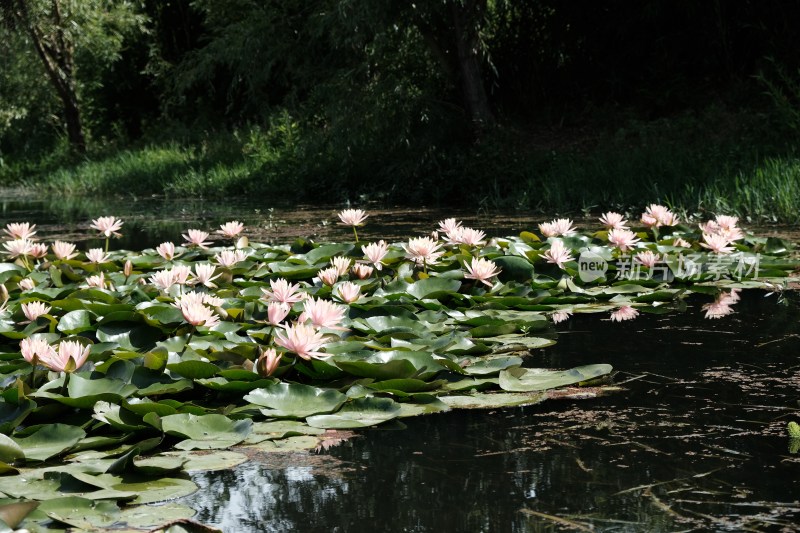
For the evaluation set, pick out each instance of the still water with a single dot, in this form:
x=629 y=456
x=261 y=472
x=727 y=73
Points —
x=695 y=442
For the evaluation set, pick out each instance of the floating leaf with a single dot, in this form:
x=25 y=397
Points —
x=9 y=450
x=206 y=431
x=492 y=400
x=433 y=288
x=81 y=513
x=359 y=413
x=194 y=369
x=49 y=440
x=537 y=379
x=294 y=400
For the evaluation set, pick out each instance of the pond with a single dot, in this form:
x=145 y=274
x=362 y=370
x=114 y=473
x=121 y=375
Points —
x=696 y=440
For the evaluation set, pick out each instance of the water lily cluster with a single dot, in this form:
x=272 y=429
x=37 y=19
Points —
x=134 y=351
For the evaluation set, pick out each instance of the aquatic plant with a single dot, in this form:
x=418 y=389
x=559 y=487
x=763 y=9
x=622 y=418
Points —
x=112 y=355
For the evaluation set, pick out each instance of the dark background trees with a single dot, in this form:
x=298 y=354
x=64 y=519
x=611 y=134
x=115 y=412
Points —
x=372 y=92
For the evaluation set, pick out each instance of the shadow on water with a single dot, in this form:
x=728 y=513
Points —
x=697 y=442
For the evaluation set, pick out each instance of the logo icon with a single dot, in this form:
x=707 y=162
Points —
x=591 y=266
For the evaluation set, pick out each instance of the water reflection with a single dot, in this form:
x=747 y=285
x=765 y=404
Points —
x=697 y=442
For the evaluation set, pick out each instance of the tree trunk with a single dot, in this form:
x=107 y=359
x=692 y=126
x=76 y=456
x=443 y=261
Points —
x=466 y=16
x=56 y=54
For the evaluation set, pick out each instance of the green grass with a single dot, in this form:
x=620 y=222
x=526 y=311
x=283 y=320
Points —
x=715 y=163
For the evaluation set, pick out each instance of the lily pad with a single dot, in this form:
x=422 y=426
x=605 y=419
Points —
x=207 y=431
x=293 y=400
x=537 y=379
x=49 y=440
x=359 y=413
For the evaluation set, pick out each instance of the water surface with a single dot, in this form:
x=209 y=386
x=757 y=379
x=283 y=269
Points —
x=696 y=441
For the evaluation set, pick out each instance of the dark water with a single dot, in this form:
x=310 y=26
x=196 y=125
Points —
x=696 y=442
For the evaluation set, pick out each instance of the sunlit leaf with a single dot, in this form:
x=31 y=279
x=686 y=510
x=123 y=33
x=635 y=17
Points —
x=293 y=400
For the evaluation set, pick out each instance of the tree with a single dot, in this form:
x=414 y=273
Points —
x=61 y=32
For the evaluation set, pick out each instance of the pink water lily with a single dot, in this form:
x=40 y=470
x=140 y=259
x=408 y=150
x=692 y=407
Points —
x=64 y=250
x=98 y=281
x=97 y=256
x=282 y=291
x=626 y=312
x=719 y=244
x=329 y=275
x=560 y=316
x=341 y=264
x=375 y=252
x=277 y=312
x=303 y=340
x=230 y=258
x=322 y=313
x=107 y=226
x=33 y=349
x=26 y=284
x=482 y=270
x=423 y=250
x=20 y=230
x=468 y=236
x=163 y=280
x=35 y=309
x=348 y=291
x=353 y=217
x=196 y=237
x=268 y=361
x=658 y=215
x=38 y=250
x=612 y=220
x=69 y=357
x=449 y=226
x=204 y=275
x=18 y=247
x=648 y=258
x=558 y=254
x=622 y=238
x=557 y=228
x=231 y=229
x=362 y=271
x=166 y=250
x=197 y=314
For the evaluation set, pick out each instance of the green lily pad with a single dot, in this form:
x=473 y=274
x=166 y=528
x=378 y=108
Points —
x=491 y=365
x=293 y=400
x=49 y=441
x=222 y=384
x=199 y=462
x=492 y=400
x=537 y=379
x=433 y=288
x=75 y=322
x=9 y=450
x=359 y=413
x=148 y=517
x=280 y=429
x=206 y=431
x=81 y=513
x=194 y=369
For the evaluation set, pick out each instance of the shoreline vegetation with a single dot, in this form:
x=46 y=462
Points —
x=686 y=163
x=552 y=107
